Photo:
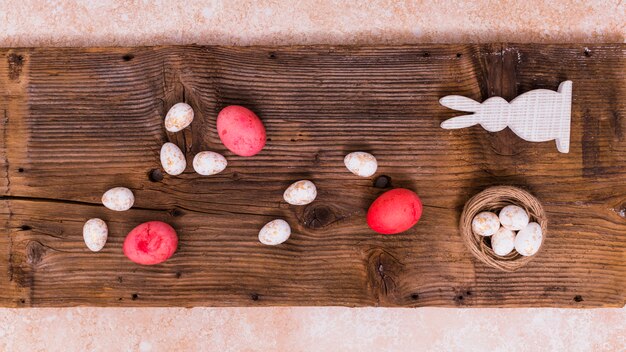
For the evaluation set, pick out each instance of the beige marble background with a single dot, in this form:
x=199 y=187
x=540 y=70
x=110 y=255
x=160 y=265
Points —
x=238 y=22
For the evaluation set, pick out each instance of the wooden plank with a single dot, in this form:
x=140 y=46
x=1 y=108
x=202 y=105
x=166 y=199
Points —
x=84 y=120
x=13 y=82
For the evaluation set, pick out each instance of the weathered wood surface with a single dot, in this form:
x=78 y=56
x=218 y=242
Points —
x=79 y=121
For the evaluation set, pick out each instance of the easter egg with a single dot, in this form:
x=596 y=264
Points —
x=529 y=239
x=361 y=163
x=95 y=233
x=503 y=241
x=275 y=232
x=118 y=199
x=394 y=211
x=485 y=223
x=241 y=131
x=172 y=159
x=300 y=193
x=209 y=163
x=513 y=217
x=150 y=243
x=179 y=117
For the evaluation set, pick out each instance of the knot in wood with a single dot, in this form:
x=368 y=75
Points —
x=35 y=252
x=384 y=271
x=318 y=216
x=15 y=66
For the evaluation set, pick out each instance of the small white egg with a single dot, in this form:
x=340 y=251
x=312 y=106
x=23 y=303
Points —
x=118 y=199
x=503 y=241
x=300 y=193
x=275 y=232
x=95 y=233
x=485 y=223
x=361 y=163
x=179 y=117
x=513 y=217
x=528 y=240
x=172 y=159
x=209 y=163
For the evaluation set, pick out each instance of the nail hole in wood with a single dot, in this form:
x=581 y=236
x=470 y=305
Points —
x=578 y=298
x=272 y=55
x=254 y=297
x=587 y=52
x=128 y=57
x=25 y=228
x=426 y=54
x=134 y=296
x=468 y=293
x=382 y=181
x=458 y=55
x=155 y=175
x=293 y=140
x=21 y=169
x=22 y=301
x=415 y=296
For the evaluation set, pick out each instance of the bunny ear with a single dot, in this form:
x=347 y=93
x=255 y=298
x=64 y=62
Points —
x=461 y=103
x=459 y=122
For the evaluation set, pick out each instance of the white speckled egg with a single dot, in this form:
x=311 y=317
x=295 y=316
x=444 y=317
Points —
x=118 y=199
x=275 y=232
x=95 y=233
x=503 y=241
x=485 y=223
x=172 y=159
x=179 y=117
x=513 y=217
x=209 y=163
x=300 y=193
x=361 y=163
x=528 y=239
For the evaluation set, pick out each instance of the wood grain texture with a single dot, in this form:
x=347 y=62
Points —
x=77 y=122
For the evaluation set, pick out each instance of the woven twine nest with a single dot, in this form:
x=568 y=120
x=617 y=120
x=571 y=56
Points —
x=493 y=199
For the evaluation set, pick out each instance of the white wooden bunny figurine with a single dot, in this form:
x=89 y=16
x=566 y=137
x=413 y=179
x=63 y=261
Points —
x=537 y=116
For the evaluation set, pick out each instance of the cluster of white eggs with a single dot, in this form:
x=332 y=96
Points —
x=509 y=230
x=95 y=231
x=304 y=192
x=172 y=158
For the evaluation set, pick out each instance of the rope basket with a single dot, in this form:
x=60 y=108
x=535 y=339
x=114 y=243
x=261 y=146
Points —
x=493 y=199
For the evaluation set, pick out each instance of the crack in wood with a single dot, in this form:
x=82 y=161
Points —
x=65 y=201
x=5 y=128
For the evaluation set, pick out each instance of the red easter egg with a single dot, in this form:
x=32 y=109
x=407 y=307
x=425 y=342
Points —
x=394 y=211
x=240 y=130
x=152 y=242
